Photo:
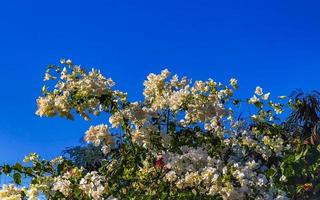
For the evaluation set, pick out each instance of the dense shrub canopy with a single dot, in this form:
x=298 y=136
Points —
x=184 y=140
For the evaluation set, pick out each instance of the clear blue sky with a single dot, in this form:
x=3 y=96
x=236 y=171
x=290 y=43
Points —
x=274 y=44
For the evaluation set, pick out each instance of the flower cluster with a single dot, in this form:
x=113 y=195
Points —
x=76 y=89
x=10 y=192
x=100 y=135
x=92 y=185
x=62 y=184
x=200 y=102
x=182 y=141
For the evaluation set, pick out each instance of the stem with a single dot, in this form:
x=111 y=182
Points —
x=168 y=120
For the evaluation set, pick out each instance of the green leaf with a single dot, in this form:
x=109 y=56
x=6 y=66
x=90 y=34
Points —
x=289 y=171
x=317 y=187
x=17 y=178
x=271 y=172
x=298 y=156
x=289 y=159
x=299 y=188
x=18 y=166
x=6 y=169
x=306 y=150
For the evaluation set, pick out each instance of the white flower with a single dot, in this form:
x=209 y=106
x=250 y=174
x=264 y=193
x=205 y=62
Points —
x=57 y=160
x=283 y=178
x=282 y=97
x=92 y=185
x=116 y=119
x=266 y=96
x=171 y=176
x=254 y=100
x=47 y=76
x=31 y=157
x=178 y=98
x=234 y=83
x=259 y=91
x=255 y=117
x=262 y=180
x=252 y=164
x=111 y=198
x=99 y=134
x=32 y=193
x=106 y=149
x=10 y=192
x=224 y=170
x=68 y=62
x=62 y=185
x=281 y=197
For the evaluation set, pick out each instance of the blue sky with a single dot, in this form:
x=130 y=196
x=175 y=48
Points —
x=274 y=44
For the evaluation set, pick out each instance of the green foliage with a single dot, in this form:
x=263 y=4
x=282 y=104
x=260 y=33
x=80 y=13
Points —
x=87 y=156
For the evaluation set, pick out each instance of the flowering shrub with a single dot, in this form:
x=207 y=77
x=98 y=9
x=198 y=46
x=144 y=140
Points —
x=183 y=141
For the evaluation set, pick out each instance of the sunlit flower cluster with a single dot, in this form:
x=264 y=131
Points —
x=92 y=185
x=62 y=185
x=33 y=192
x=88 y=89
x=183 y=138
x=10 y=192
x=31 y=157
x=100 y=135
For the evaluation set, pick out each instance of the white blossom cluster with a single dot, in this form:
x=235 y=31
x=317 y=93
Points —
x=262 y=144
x=92 y=185
x=33 y=192
x=259 y=99
x=62 y=184
x=195 y=169
x=175 y=127
x=10 y=192
x=201 y=102
x=74 y=83
x=100 y=135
